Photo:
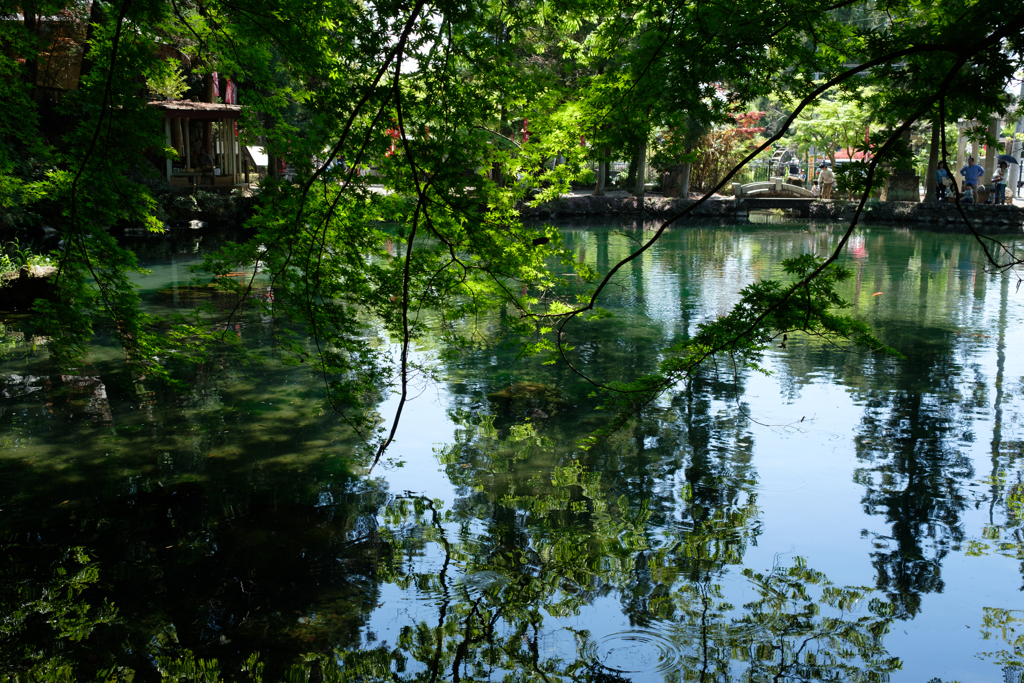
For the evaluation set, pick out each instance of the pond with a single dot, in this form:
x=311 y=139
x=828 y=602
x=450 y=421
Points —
x=851 y=516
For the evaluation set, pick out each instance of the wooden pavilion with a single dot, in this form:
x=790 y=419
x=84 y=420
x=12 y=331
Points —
x=189 y=126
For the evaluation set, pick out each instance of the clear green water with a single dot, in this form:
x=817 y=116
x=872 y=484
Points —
x=852 y=516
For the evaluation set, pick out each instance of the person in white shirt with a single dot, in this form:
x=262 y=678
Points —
x=827 y=179
x=815 y=190
x=999 y=183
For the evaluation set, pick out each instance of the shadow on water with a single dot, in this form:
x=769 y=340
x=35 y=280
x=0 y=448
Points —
x=213 y=518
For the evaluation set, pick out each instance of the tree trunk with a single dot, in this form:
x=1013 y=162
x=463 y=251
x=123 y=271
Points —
x=631 y=173
x=684 y=190
x=95 y=19
x=933 y=158
x=32 y=59
x=641 y=169
x=602 y=174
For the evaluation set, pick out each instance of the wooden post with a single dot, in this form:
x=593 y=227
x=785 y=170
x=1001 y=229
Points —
x=222 y=130
x=176 y=135
x=230 y=135
x=188 y=146
x=234 y=151
x=207 y=125
x=167 y=134
x=229 y=148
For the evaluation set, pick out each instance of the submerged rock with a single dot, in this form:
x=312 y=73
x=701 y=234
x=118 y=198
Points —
x=193 y=292
x=530 y=399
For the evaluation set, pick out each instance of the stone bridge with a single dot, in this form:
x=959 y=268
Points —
x=771 y=188
x=773 y=194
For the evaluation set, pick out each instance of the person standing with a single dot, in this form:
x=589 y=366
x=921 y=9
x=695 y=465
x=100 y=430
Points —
x=999 y=184
x=826 y=178
x=972 y=173
x=203 y=159
x=942 y=180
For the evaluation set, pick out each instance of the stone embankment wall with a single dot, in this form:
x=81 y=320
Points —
x=933 y=215
x=20 y=288
x=579 y=206
x=930 y=216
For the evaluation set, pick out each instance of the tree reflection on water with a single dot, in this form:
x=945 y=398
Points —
x=498 y=582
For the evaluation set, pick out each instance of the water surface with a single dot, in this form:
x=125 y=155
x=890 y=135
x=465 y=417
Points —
x=852 y=515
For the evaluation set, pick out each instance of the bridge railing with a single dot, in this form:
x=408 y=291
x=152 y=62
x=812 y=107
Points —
x=771 y=187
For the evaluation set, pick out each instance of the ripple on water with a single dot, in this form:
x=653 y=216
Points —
x=636 y=652
x=643 y=654
x=479 y=582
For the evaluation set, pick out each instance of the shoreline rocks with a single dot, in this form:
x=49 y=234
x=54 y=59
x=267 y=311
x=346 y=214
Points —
x=20 y=288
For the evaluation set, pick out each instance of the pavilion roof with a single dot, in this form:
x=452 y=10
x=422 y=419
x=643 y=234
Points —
x=206 y=111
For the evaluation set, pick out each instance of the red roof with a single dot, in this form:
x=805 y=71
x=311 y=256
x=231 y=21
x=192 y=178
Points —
x=841 y=154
